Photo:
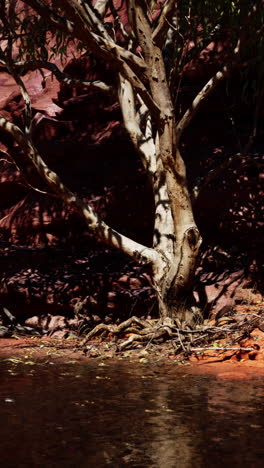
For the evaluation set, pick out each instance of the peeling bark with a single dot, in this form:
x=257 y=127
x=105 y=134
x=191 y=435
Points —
x=148 y=112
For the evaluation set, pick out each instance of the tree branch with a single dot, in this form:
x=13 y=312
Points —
x=164 y=22
x=7 y=59
x=60 y=22
x=219 y=76
x=142 y=90
x=118 y=21
x=152 y=162
x=104 y=40
x=101 y=7
x=88 y=17
x=101 y=45
x=199 y=99
x=141 y=27
x=152 y=55
x=95 y=224
x=131 y=66
x=63 y=77
x=144 y=146
x=10 y=160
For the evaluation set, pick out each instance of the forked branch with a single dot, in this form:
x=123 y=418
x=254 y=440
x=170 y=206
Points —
x=100 y=44
x=96 y=225
x=164 y=20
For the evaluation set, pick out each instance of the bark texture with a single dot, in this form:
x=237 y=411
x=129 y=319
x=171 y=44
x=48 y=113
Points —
x=145 y=94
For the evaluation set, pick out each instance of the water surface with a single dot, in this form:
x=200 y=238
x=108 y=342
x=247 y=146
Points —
x=127 y=415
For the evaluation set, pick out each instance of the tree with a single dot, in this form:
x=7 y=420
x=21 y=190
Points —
x=148 y=61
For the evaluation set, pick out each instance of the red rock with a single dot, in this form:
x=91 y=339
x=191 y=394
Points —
x=71 y=121
x=135 y=283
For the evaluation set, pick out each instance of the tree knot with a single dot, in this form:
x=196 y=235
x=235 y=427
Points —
x=193 y=236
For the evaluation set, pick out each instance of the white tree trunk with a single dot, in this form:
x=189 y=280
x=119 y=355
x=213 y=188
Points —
x=149 y=119
x=173 y=280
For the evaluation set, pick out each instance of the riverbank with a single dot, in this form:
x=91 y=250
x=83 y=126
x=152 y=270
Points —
x=244 y=361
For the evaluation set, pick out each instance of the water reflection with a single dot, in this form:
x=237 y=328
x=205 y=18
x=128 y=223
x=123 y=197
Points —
x=122 y=415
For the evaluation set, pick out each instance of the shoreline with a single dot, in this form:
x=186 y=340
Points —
x=37 y=351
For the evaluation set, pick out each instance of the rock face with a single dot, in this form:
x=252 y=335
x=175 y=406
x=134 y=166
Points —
x=85 y=143
x=80 y=135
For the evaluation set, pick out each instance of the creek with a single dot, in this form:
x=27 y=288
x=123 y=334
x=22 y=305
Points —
x=122 y=414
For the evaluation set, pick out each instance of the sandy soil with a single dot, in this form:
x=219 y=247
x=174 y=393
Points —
x=229 y=364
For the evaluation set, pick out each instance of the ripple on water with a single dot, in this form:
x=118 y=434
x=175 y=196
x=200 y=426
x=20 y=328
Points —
x=123 y=414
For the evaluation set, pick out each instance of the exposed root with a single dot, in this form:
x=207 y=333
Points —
x=135 y=331
x=140 y=331
x=115 y=329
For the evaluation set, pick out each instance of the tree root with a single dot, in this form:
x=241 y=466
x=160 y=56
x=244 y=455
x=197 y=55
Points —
x=124 y=327
x=141 y=331
x=184 y=341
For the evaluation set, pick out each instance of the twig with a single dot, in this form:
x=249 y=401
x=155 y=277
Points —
x=205 y=329
x=200 y=338
x=180 y=340
x=222 y=349
x=10 y=316
x=254 y=315
x=213 y=329
x=150 y=341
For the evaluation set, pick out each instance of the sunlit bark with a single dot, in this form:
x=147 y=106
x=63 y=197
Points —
x=145 y=98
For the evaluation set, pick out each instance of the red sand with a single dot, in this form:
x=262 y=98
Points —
x=237 y=365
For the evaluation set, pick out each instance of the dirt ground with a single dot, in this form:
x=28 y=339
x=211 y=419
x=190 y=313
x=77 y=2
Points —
x=242 y=361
